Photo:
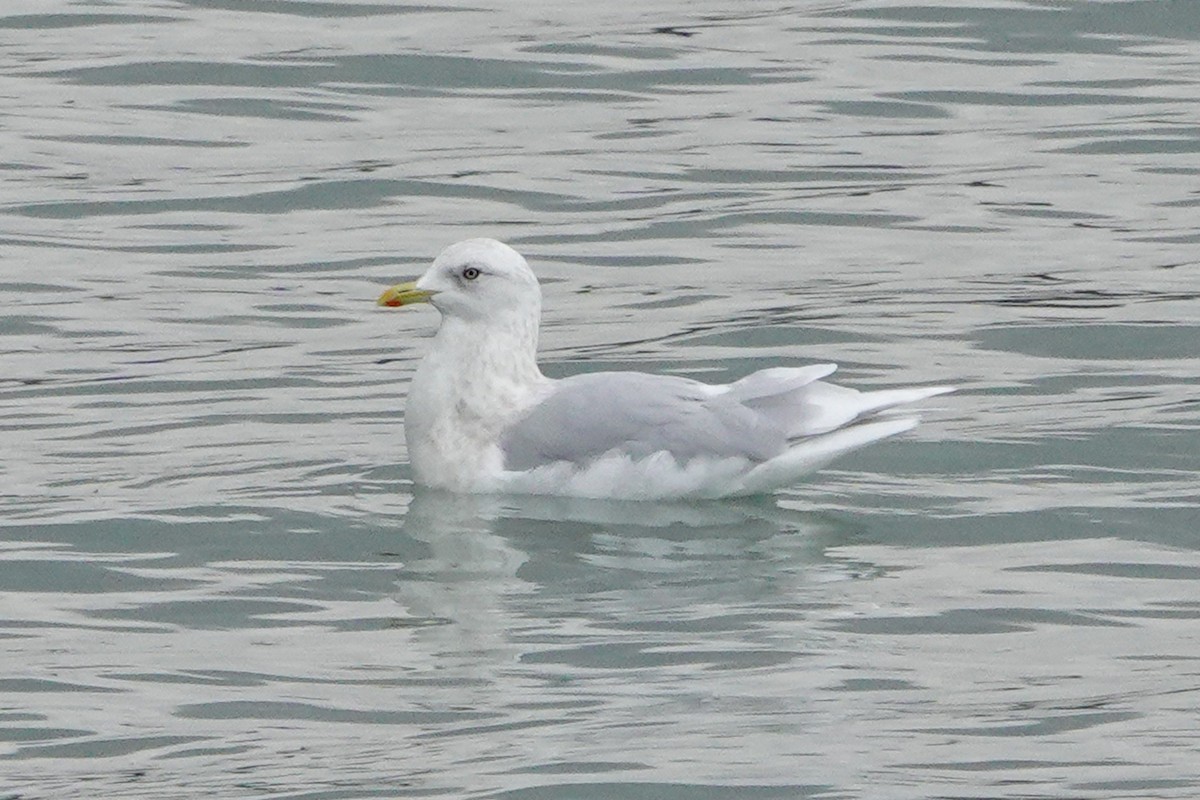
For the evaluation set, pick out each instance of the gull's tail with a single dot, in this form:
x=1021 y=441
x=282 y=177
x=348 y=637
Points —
x=864 y=416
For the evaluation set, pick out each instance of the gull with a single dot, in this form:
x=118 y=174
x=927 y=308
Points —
x=482 y=418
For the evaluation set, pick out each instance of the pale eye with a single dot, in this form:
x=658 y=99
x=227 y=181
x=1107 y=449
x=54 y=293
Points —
x=470 y=273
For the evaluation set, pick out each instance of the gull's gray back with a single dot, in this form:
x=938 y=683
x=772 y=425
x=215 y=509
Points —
x=637 y=414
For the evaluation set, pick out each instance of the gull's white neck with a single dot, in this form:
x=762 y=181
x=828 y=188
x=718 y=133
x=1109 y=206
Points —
x=477 y=378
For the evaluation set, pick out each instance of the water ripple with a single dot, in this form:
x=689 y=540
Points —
x=217 y=577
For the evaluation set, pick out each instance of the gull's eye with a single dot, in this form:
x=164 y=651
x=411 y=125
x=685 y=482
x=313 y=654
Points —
x=470 y=273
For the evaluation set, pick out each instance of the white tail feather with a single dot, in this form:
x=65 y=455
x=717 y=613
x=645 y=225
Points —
x=887 y=398
x=812 y=454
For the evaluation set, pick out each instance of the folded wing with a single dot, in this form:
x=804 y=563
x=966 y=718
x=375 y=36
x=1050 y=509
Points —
x=780 y=422
x=636 y=415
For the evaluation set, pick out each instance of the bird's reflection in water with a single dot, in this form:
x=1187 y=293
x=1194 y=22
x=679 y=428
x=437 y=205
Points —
x=532 y=608
x=491 y=559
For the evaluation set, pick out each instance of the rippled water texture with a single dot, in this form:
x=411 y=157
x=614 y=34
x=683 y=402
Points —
x=215 y=577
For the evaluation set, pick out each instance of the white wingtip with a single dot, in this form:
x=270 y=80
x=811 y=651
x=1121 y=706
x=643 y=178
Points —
x=812 y=454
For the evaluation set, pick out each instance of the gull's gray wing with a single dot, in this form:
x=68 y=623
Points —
x=637 y=414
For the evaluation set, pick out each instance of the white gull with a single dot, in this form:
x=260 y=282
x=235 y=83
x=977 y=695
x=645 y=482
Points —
x=482 y=418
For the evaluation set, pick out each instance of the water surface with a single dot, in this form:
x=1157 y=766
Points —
x=217 y=579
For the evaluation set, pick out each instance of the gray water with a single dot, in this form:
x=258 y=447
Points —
x=217 y=580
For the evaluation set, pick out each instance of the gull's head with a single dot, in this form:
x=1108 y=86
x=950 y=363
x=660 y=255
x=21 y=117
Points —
x=473 y=279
